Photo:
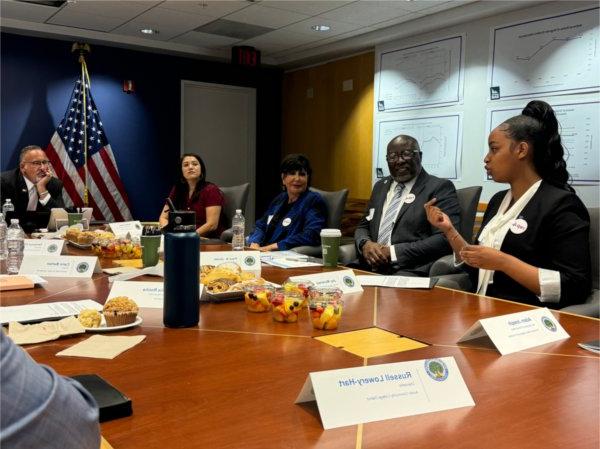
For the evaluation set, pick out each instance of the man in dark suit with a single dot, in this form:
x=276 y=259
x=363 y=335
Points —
x=31 y=186
x=394 y=236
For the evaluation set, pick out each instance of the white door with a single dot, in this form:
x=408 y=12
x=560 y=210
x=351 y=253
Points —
x=218 y=122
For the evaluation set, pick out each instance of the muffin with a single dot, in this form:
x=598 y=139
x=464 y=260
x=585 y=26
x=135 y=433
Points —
x=90 y=318
x=120 y=310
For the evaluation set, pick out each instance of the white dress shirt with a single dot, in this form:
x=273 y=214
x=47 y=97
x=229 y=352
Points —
x=34 y=197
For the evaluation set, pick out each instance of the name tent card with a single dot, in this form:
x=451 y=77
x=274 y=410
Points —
x=373 y=393
x=60 y=266
x=145 y=294
x=345 y=280
x=518 y=331
x=38 y=247
x=121 y=229
x=247 y=260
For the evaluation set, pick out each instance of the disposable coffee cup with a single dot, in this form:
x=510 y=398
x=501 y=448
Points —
x=74 y=218
x=150 y=245
x=330 y=245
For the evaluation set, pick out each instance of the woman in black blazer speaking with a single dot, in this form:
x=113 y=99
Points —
x=533 y=246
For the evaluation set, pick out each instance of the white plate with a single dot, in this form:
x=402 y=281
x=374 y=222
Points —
x=104 y=328
x=79 y=245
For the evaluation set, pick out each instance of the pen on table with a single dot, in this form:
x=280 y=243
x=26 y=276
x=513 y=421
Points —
x=297 y=259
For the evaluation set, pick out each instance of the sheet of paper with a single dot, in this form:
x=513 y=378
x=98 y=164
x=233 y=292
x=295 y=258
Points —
x=60 y=266
x=373 y=393
x=38 y=247
x=393 y=281
x=38 y=312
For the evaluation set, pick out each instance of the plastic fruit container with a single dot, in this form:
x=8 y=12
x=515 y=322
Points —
x=258 y=298
x=286 y=305
x=325 y=308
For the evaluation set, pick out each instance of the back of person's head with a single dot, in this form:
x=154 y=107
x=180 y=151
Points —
x=537 y=125
x=295 y=162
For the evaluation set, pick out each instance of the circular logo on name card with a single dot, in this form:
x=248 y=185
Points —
x=348 y=281
x=436 y=369
x=409 y=198
x=286 y=221
x=52 y=248
x=82 y=267
x=250 y=260
x=518 y=226
x=549 y=324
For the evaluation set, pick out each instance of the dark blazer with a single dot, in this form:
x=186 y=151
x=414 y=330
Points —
x=416 y=242
x=307 y=217
x=13 y=186
x=556 y=238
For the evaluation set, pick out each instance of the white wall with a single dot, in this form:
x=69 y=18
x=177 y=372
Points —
x=476 y=93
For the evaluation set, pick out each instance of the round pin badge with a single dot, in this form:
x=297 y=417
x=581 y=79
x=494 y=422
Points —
x=518 y=226
x=409 y=198
x=286 y=221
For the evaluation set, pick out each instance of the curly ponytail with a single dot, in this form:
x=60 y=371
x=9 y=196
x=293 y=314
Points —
x=538 y=126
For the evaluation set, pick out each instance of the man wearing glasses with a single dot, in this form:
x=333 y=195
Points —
x=32 y=186
x=394 y=236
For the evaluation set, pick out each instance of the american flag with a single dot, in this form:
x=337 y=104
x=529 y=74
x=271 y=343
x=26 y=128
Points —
x=66 y=152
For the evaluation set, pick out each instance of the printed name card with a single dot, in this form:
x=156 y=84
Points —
x=121 y=229
x=60 y=266
x=247 y=260
x=345 y=280
x=145 y=294
x=38 y=247
x=373 y=393
x=518 y=331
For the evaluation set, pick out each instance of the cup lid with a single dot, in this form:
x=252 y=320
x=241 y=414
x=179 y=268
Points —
x=331 y=233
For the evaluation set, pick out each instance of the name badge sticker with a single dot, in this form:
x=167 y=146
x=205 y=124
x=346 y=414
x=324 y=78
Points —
x=518 y=226
x=269 y=218
x=286 y=221
x=409 y=198
x=371 y=214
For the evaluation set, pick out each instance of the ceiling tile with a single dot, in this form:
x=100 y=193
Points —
x=267 y=17
x=26 y=11
x=125 y=10
x=367 y=12
x=229 y=28
x=311 y=8
x=205 y=40
x=86 y=21
x=213 y=8
x=279 y=40
x=337 y=27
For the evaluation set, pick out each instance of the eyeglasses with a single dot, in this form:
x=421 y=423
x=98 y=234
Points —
x=38 y=163
x=406 y=155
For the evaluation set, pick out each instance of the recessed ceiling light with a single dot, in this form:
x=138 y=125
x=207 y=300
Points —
x=321 y=27
x=148 y=31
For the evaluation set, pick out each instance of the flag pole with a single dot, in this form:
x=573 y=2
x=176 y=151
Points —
x=83 y=50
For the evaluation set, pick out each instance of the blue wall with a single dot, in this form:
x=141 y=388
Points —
x=37 y=77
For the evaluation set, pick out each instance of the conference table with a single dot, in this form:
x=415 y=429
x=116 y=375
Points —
x=231 y=382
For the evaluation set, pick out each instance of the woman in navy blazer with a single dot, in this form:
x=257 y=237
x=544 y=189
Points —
x=296 y=216
x=533 y=246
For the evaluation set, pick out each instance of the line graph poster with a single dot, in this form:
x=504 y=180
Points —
x=439 y=138
x=557 y=54
x=422 y=75
x=579 y=134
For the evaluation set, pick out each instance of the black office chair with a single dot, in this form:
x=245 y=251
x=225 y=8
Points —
x=235 y=198
x=591 y=307
x=335 y=203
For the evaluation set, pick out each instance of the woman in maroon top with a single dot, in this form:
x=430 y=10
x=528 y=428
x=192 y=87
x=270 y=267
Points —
x=193 y=192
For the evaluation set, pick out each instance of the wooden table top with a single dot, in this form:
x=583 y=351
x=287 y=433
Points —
x=231 y=382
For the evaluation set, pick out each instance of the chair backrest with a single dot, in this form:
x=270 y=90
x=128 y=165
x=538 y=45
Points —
x=235 y=198
x=468 y=198
x=594 y=246
x=335 y=202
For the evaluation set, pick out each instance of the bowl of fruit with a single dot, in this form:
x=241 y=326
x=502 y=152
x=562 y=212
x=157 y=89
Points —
x=118 y=248
x=286 y=305
x=325 y=306
x=258 y=298
x=302 y=288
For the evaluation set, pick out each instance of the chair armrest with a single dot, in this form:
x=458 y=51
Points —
x=227 y=235
x=347 y=254
x=460 y=281
x=312 y=251
x=590 y=308
x=444 y=265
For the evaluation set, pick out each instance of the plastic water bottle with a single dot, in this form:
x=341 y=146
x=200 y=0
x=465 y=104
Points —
x=3 y=229
x=15 y=243
x=8 y=206
x=238 y=228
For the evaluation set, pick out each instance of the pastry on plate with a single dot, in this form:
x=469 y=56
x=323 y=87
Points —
x=120 y=310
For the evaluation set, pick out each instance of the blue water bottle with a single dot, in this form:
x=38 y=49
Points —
x=182 y=261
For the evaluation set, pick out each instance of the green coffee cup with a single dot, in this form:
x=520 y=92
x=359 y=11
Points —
x=150 y=245
x=330 y=245
x=74 y=218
